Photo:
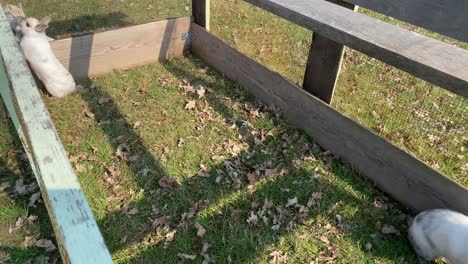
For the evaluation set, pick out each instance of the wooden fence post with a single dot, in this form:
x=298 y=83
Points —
x=323 y=64
x=201 y=13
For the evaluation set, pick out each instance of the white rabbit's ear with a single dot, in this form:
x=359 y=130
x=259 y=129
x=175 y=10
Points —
x=45 y=20
x=43 y=24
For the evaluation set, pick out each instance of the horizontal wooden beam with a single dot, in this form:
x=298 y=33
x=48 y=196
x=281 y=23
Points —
x=394 y=171
x=447 y=17
x=423 y=57
x=124 y=48
x=76 y=231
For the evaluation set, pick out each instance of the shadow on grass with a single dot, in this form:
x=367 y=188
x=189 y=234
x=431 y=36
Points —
x=13 y=167
x=223 y=207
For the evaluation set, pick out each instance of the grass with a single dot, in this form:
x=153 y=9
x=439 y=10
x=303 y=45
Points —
x=140 y=114
x=286 y=162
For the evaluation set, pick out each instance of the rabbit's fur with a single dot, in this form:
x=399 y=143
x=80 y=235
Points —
x=36 y=48
x=440 y=233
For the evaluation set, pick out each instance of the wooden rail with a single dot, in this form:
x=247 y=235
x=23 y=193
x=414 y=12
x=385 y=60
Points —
x=394 y=171
x=76 y=231
x=123 y=48
x=447 y=17
x=423 y=57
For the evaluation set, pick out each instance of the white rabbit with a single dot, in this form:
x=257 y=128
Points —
x=36 y=48
x=440 y=233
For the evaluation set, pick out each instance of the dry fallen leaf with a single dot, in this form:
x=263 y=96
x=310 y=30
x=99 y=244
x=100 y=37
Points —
x=325 y=240
x=33 y=199
x=103 y=100
x=46 y=244
x=200 y=230
x=88 y=114
x=368 y=246
x=186 y=256
x=389 y=229
x=170 y=183
x=136 y=124
x=29 y=241
x=190 y=105
x=252 y=177
x=20 y=188
x=201 y=91
x=4 y=186
x=170 y=236
x=180 y=142
x=291 y=202
x=133 y=211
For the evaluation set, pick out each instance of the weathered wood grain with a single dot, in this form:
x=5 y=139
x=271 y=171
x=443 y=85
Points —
x=123 y=48
x=324 y=64
x=426 y=58
x=201 y=13
x=76 y=231
x=394 y=171
x=447 y=17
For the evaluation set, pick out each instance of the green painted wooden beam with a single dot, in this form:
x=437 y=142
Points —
x=77 y=233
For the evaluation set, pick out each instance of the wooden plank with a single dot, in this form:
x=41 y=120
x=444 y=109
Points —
x=447 y=17
x=426 y=58
x=124 y=48
x=76 y=231
x=201 y=13
x=396 y=172
x=324 y=64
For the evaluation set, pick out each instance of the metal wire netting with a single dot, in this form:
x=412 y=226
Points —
x=75 y=17
x=423 y=119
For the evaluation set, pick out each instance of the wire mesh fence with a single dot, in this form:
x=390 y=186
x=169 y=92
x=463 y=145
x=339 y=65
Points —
x=75 y=17
x=423 y=119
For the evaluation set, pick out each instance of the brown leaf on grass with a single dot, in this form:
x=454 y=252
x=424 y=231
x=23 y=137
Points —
x=190 y=105
x=4 y=186
x=80 y=168
x=136 y=124
x=144 y=172
x=389 y=229
x=252 y=177
x=200 y=230
x=170 y=183
x=168 y=238
x=133 y=211
x=180 y=142
x=29 y=241
x=166 y=149
x=325 y=240
x=200 y=91
x=46 y=244
x=122 y=150
x=20 y=188
x=368 y=246
x=88 y=114
x=33 y=199
x=314 y=199
x=464 y=168
x=186 y=256
x=104 y=100
x=291 y=202
x=144 y=89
